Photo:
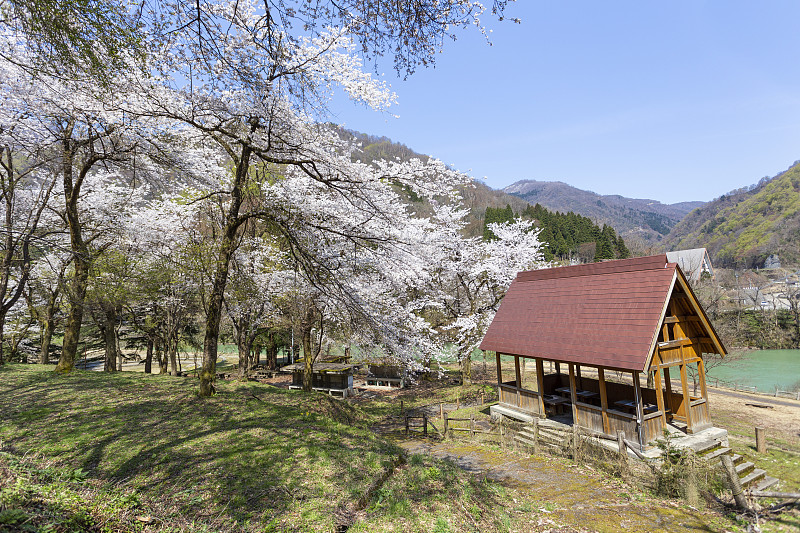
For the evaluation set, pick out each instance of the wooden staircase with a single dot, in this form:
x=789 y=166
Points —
x=552 y=435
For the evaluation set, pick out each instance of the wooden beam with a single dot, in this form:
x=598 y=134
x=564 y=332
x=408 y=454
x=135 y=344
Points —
x=660 y=396
x=578 y=376
x=701 y=374
x=684 y=318
x=540 y=384
x=499 y=368
x=572 y=395
x=668 y=386
x=637 y=393
x=516 y=370
x=687 y=400
x=601 y=380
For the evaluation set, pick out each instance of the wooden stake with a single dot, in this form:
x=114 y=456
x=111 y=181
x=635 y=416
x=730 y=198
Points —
x=536 y=436
x=406 y=425
x=734 y=482
x=425 y=424
x=441 y=411
x=471 y=426
x=621 y=443
x=761 y=440
x=401 y=407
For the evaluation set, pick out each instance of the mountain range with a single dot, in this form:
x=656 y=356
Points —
x=743 y=227
x=740 y=228
x=648 y=220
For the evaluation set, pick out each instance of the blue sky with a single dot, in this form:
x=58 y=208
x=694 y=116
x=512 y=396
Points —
x=674 y=101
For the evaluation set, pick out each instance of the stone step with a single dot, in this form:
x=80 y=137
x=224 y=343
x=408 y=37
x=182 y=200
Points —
x=744 y=468
x=766 y=483
x=716 y=454
x=753 y=476
x=706 y=447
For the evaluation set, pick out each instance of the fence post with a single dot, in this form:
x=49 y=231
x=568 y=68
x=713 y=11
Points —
x=734 y=481
x=445 y=424
x=406 y=425
x=761 y=440
x=458 y=401
x=425 y=424
x=482 y=398
x=471 y=426
x=441 y=411
x=621 y=443
x=401 y=407
x=575 y=438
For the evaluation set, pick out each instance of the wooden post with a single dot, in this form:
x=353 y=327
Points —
x=502 y=436
x=572 y=394
x=621 y=444
x=516 y=370
x=499 y=368
x=575 y=440
x=578 y=376
x=761 y=440
x=536 y=436
x=601 y=381
x=401 y=407
x=637 y=393
x=687 y=399
x=406 y=425
x=471 y=426
x=540 y=385
x=425 y=424
x=734 y=482
x=660 y=397
x=458 y=401
x=482 y=398
x=441 y=411
x=444 y=417
x=668 y=387
x=701 y=374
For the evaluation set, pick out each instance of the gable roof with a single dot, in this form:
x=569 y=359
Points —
x=602 y=314
x=692 y=262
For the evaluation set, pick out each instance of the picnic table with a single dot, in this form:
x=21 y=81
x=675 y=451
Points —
x=630 y=406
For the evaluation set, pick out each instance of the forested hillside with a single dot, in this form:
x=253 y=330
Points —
x=648 y=220
x=567 y=235
x=744 y=227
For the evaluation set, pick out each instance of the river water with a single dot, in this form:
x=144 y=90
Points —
x=765 y=369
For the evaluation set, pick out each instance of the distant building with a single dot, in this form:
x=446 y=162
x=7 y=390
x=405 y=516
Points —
x=772 y=262
x=693 y=262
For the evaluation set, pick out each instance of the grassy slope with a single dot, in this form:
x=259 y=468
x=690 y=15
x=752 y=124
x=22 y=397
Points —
x=128 y=452
x=111 y=448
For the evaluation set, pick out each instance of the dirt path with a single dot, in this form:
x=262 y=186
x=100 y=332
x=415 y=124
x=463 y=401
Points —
x=579 y=499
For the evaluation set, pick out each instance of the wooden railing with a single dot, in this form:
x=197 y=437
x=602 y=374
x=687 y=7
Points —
x=591 y=416
x=523 y=399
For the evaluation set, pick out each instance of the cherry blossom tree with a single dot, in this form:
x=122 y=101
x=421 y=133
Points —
x=473 y=276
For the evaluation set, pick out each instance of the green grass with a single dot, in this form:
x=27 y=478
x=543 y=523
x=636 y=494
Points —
x=93 y=451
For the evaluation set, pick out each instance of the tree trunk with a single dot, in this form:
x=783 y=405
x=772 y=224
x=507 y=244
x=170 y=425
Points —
x=47 y=337
x=109 y=338
x=148 y=359
x=214 y=313
x=81 y=258
x=271 y=349
x=161 y=356
x=72 y=329
x=309 y=360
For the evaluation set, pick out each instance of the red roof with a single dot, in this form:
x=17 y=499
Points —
x=602 y=314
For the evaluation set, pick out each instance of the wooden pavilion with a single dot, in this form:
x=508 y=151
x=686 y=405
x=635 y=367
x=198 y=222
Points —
x=622 y=321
